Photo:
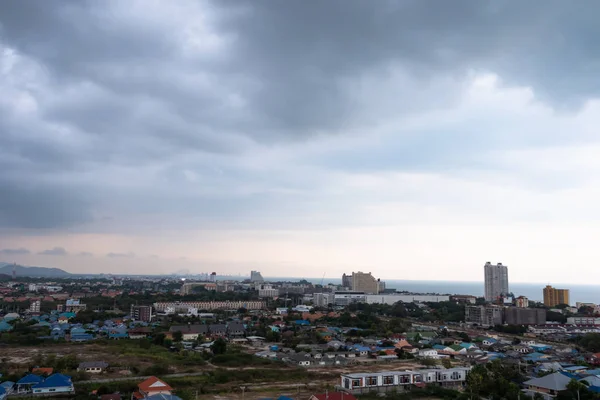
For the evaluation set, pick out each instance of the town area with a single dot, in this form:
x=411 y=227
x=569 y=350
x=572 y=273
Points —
x=172 y=338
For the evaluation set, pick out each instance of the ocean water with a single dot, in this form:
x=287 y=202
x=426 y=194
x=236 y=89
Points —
x=533 y=291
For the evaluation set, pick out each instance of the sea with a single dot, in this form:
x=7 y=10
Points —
x=533 y=291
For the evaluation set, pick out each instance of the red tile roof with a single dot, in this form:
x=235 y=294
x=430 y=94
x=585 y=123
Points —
x=153 y=384
x=333 y=396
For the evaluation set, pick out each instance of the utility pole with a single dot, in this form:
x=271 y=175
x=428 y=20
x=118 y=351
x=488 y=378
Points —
x=243 y=391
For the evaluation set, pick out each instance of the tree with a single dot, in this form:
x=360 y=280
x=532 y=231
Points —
x=447 y=363
x=177 y=336
x=219 y=346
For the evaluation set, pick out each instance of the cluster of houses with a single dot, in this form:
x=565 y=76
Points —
x=37 y=384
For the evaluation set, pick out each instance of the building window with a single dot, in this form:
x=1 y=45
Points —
x=388 y=380
x=355 y=382
x=404 y=378
x=372 y=381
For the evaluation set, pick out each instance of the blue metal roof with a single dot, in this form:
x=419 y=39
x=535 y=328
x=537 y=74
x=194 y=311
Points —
x=55 y=380
x=30 y=379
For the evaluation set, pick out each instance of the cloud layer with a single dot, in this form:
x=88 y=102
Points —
x=254 y=133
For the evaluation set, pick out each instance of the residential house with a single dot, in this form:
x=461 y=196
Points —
x=429 y=353
x=489 y=341
x=42 y=371
x=151 y=387
x=93 y=367
x=25 y=384
x=56 y=383
x=299 y=359
x=5 y=326
x=332 y=396
x=548 y=386
x=139 y=332
x=236 y=330
x=217 y=330
x=190 y=332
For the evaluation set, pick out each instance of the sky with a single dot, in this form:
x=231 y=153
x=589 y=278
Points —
x=411 y=139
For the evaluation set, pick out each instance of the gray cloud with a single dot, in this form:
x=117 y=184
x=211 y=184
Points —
x=19 y=251
x=120 y=255
x=56 y=251
x=113 y=102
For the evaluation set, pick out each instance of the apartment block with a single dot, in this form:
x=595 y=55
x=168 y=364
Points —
x=496 y=281
x=554 y=297
x=486 y=316
x=365 y=282
x=524 y=316
x=141 y=313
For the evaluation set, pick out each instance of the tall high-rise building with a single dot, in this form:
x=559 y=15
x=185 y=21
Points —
x=347 y=281
x=496 y=281
x=141 y=313
x=255 y=276
x=365 y=282
x=554 y=297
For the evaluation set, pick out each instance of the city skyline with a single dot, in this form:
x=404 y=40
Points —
x=410 y=141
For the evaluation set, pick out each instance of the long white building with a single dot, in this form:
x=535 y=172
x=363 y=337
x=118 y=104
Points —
x=209 y=305
x=393 y=380
x=405 y=298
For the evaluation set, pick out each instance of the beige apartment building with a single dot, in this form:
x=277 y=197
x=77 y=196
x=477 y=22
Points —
x=365 y=282
x=554 y=297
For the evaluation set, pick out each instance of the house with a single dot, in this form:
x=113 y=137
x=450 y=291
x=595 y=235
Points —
x=298 y=359
x=93 y=367
x=42 y=371
x=236 y=329
x=190 y=332
x=56 y=383
x=489 y=341
x=25 y=384
x=8 y=387
x=5 y=326
x=139 y=333
x=332 y=396
x=152 y=387
x=548 y=386
x=428 y=353
x=217 y=330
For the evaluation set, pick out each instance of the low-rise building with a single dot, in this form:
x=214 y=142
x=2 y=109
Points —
x=93 y=367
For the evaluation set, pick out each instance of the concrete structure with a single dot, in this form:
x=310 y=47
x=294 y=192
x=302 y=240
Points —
x=209 y=305
x=349 y=297
x=323 y=299
x=554 y=297
x=522 y=302
x=390 y=381
x=255 y=276
x=188 y=287
x=583 y=321
x=141 y=313
x=463 y=298
x=72 y=305
x=267 y=290
x=35 y=307
x=347 y=281
x=496 y=281
x=489 y=315
x=364 y=282
x=524 y=316
x=405 y=298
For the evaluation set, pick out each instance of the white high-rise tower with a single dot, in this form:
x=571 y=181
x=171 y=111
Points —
x=496 y=281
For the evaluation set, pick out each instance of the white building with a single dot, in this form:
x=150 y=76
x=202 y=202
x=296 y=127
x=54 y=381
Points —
x=394 y=380
x=267 y=290
x=323 y=299
x=405 y=298
x=345 y=298
x=428 y=353
x=496 y=281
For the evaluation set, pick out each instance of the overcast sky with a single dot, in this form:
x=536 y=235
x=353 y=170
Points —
x=413 y=139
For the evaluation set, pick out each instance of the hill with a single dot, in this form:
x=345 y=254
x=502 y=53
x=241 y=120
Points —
x=42 y=272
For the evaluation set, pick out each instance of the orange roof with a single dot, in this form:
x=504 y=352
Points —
x=153 y=384
x=42 y=371
x=138 y=395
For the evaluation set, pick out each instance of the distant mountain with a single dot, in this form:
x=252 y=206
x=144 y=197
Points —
x=42 y=272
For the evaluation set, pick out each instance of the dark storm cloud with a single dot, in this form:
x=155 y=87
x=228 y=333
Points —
x=12 y=252
x=56 y=251
x=121 y=85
